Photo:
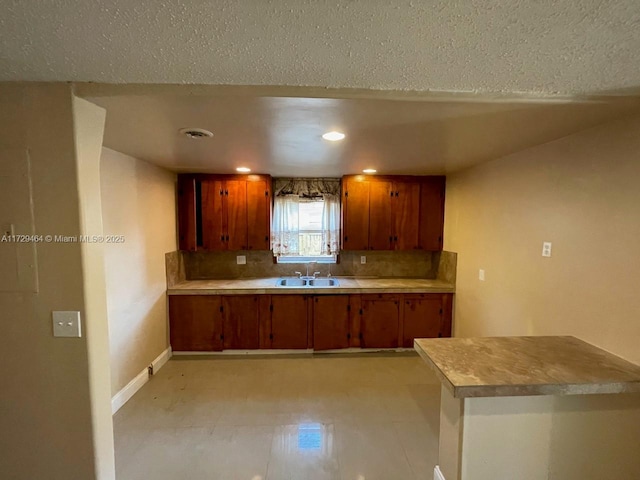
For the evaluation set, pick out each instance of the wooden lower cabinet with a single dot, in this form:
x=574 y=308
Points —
x=331 y=329
x=289 y=322
x=241 y=322
x=195 y=323
x=426 y=315
x=422 y=317
x=295 y=321
x=379 y=320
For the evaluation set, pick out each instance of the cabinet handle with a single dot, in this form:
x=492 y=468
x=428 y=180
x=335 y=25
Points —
x=348 y=336
x=360 y=335
x=227 y=238
x=391 y=193
x=222 y=238
x=221 y=192
x=226 y=193
x=395 y=239
x=390 y=238
x=397 y=193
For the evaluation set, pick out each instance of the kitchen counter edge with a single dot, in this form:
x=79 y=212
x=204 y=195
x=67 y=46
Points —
x=267 y=286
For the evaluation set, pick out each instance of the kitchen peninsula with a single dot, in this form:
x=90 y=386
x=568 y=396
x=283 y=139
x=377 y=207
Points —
x=534 y=408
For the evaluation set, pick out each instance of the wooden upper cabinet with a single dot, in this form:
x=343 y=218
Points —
x=392 y=212
x=186 y=213
x=406 y=213
x=235 y=200
x=259 y=213
x=224 y=212
x=431 y=223
x=355 y=214
x=380 y=203
x=212 y=214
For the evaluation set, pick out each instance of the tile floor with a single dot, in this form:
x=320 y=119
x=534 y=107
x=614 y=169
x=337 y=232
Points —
x=348 y=417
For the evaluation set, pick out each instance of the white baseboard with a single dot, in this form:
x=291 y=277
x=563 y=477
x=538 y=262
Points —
x=437 y=474
x=123 y=396
x=301 y=351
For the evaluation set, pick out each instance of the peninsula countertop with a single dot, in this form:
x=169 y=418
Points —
x=521 y=366
x=355 y=285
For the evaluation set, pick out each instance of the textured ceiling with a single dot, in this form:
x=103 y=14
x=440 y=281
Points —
x=544 y=46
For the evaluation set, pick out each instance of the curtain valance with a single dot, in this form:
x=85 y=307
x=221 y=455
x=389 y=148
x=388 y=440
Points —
x=306 y=187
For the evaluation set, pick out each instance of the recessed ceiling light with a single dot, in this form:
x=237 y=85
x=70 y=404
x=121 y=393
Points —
x=196 y=132
x=243 y=169
x=369 y=170
x=333 y=136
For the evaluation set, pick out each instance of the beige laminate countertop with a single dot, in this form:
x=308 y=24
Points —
x=520 y=366
x=347 y=285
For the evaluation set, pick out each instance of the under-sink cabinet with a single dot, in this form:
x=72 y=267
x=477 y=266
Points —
x=297 y=321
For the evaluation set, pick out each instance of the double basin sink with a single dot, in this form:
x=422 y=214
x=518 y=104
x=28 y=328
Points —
x=307 y=282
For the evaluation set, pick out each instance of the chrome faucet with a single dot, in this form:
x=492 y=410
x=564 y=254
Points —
x=314 y=273
x=298 y=273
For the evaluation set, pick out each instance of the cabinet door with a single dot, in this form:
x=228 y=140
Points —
x=355 y=214
x=379 y=321
x=331 y=322
x=380 y=236
x=289 y=324
x=406 y=212
x=235 y=200
x=422 y=317
x=240 y=322
x=195 y=323
x=186 y=213
x=213 y=231
x=431 y=213
x=258 y=213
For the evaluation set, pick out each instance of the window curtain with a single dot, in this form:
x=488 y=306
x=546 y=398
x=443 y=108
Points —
x=330 y=225
x=288 y=192
x=285 y=225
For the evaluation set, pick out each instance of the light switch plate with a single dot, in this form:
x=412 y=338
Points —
x=66 y=324
x=241 y=259
x=481 y=275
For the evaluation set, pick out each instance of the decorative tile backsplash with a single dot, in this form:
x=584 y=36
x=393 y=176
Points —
x=222 y=265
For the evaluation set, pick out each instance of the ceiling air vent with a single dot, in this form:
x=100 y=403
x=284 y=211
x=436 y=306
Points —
x=196 y=132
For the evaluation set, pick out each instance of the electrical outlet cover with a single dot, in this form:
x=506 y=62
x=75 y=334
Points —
x=241 y=260
x=363 y=259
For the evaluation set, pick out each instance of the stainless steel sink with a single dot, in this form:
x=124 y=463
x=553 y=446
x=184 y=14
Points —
x=291 y=282
x=323 y=282
x=307 y=282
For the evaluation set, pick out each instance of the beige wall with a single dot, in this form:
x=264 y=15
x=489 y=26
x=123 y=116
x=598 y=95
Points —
x=582 y=193
x=574 y=437
x=46 y=406
x=89 y=122
x=138 y=201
